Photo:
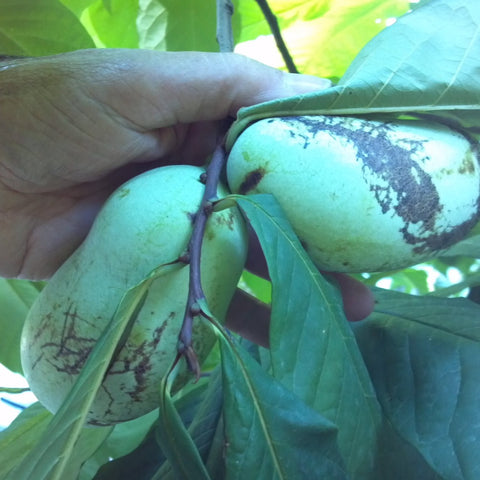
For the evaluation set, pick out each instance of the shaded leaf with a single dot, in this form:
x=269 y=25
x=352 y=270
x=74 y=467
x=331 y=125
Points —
x=423 y=354
x=270 y=432
x=206 y=407
x=308 y=328
x=175 y=441
x=125 y=438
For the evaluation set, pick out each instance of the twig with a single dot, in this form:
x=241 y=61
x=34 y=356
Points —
x=211 y=178
x=224 y=25
x=193 y=256
x=277 y=35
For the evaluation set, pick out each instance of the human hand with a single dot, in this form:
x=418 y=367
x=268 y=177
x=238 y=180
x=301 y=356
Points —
x=75 y=126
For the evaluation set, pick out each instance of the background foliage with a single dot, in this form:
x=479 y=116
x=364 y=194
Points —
x=394 y=396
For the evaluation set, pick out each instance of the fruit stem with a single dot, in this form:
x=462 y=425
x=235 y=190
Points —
x=194 y=250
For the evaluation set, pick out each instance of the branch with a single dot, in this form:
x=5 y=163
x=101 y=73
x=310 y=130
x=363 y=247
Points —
x=193 y=256
x=277 y=35
x=224 y=25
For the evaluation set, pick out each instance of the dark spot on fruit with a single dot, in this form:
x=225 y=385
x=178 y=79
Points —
x=394 y=174
x=225 y=218
x=251 y=180
x=124 y=192
x=468 y=165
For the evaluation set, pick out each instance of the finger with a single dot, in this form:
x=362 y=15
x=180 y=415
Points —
x=358 y=300
x=157 y=89
x=249 y=317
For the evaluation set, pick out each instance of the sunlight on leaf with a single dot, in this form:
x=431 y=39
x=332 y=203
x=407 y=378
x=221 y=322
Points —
x=323 y=37
x=391 y=74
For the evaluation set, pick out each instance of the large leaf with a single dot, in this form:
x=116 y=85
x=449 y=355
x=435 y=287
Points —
x=174 y=26
x=403 y=69
x=16 y=298
x=423 y=355
x=308 y=327
x=39 y=27
x=270 y=432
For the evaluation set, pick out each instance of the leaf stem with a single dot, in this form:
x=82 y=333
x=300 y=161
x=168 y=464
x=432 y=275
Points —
x=277 y=35
x=193 y=256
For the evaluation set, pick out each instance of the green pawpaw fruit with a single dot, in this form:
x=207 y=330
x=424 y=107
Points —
x=363 y=195
x=147 y=222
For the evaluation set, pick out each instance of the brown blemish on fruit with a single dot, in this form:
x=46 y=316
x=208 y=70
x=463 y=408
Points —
x=226 y=218
x=251 y=180
x=468 y=165
x=139 y=359
x=403 y=186
x=71 y=350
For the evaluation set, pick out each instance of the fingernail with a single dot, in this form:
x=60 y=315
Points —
x=301 y=83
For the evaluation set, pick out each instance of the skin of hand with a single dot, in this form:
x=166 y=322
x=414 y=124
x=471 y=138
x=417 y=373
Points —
x=75 y=126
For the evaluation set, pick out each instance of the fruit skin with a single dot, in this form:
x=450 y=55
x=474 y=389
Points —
x=363 y=195
x=145 y=223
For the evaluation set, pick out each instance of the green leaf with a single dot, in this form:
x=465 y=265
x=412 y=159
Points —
x=206 y=407
x=391 y=74
x=130 y=451
x=49 y=458
x=89 y=441
x=39 y=27
x=199 y=409
x=21 y=436
x=176 y=442
x=336 y=29
x=423 y=355
x=16 y=298
x=113 y=24
x=308 y=327
x=176 y=26
x=77 y=6
x=270 y=432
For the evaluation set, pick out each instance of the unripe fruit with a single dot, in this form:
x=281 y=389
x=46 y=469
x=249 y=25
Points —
x=363 y=195
x=147 y=222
